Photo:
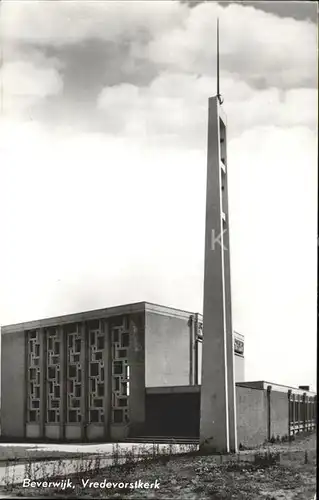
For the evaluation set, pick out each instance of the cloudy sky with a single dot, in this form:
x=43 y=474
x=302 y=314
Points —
x=103 y=132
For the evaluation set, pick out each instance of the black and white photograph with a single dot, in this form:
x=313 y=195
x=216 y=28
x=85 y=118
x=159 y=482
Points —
x=158 y=236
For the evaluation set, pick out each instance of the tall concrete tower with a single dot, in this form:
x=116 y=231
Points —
x=218 y=431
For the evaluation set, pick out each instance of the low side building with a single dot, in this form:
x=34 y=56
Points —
x=264 y=411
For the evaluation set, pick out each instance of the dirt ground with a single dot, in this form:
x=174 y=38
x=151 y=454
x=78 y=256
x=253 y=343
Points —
x=290 y=475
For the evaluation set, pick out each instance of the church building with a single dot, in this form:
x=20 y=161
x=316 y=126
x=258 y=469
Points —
x=84 y=376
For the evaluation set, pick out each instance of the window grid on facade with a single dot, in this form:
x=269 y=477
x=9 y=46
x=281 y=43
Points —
x=96 y=373
x=75 y=345
x=302 y=413
x=53 y=367
x=33 y=378
x=120 y=374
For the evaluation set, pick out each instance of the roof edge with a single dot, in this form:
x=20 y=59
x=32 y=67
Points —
x=97 y=314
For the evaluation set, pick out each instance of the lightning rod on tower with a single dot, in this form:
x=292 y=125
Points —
x=219 y=97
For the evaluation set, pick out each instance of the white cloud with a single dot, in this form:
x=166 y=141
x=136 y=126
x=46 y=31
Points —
x=273 y=51
x=174 y=106
x=254 y=45
x=24 y=84
x=59 y=23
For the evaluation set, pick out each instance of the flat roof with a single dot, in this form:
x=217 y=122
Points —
x=260 y=385
x=99 y=314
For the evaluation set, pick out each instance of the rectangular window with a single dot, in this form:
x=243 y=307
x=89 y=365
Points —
x=51 y=416
x=94 y=414
x=122 y=402
x=116 y=384
x=94 y=369
x=98 y=403
x=115 y=336
x=100 y=343
x=51 y=372
x=72 y=371
x=100 y=390
x=125 y=339
x=32 y=416
x=117 y=416
x=72 y=416
x=118 y=368
x=122 y=353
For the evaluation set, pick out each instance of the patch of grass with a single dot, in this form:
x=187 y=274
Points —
x=189 y=475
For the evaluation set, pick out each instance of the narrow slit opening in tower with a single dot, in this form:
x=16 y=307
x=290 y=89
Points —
x=222 y=139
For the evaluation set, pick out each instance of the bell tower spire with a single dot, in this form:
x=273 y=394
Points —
x=218 y=428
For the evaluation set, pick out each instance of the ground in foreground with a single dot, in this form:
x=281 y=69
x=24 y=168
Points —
x=288 y=472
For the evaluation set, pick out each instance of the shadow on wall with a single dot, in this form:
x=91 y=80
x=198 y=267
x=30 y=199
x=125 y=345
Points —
x=172 y=415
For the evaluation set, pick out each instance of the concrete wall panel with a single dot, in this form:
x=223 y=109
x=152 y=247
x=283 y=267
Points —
x=167 y=347
x=239 y=368
x=251 y=416
x=13 y=385
x=137 y=372
x=279 y=414
x=119 y=432
x=33 y=431
x=53 y=432
x=73 y=432
x=95 y=432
